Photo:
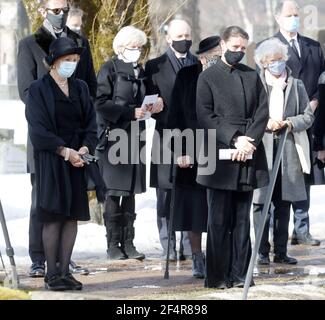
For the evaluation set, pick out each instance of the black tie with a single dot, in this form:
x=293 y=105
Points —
x=182 y=60
x=294 y=47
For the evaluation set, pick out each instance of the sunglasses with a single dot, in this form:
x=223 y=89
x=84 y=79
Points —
x=57 y=11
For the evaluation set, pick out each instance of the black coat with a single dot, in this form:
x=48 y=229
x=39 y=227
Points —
x=30 y=65
x=160 y=78
x=233 y=101
x=53 y=187
x=310 y=66
x=319 y=126
x=183 y=117
x=118 y=94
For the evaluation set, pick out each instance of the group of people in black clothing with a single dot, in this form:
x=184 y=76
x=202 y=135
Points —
x=72 y=114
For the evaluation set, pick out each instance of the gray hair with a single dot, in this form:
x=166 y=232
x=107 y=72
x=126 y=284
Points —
x=76 y=12
x=126 y=36
x=270 y=47
x=280 y=4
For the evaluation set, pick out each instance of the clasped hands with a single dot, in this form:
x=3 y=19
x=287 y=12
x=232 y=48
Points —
x=244 y=148
x=275 y=125
x=75 y=156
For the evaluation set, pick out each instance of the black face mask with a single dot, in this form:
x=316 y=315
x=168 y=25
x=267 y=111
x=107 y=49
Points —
x=57 y=21
x=234 y=57
x=182 y=46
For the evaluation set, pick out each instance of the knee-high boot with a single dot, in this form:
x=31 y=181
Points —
x=128 y=245
x=114 y=229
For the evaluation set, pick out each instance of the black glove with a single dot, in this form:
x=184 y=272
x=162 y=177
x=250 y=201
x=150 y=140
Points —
x=88 y=158
x=320 y=164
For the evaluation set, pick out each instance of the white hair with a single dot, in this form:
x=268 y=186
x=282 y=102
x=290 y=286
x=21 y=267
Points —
x=270 y=47
x=126 y=36
x=279 y=6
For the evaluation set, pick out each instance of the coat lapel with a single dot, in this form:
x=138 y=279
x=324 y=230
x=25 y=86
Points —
x=48 y=97
x=304 y=49
x=43 y=39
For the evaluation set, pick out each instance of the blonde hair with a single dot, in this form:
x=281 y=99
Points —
x=126 y=36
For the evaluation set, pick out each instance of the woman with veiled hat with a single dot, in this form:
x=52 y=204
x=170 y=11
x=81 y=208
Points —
x=62 y=128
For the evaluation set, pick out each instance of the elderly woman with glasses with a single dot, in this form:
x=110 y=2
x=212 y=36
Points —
x=288 y=106
x=119 y=99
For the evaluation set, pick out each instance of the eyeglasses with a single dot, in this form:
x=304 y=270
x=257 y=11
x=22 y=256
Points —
x=57 y=11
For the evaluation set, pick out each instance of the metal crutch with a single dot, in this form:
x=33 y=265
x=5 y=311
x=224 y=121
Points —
x=171 y=218
x=12 y=279
x=266 y=207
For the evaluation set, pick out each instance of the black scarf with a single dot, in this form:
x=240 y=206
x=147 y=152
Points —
x=176 y=63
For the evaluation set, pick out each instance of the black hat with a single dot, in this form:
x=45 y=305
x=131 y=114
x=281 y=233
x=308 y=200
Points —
x=61 y=47
x=208 y=44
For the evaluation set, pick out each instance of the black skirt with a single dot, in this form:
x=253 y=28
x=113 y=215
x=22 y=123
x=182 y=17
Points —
x=191 y=209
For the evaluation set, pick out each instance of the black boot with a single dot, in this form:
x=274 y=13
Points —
x=114 y=229
x=128 y=245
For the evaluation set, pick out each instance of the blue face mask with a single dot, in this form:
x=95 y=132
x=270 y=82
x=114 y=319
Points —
x=277 y=67
x=291 y=24
x=66 y=69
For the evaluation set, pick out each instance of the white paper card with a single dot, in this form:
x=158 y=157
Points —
x=226 y=154
x=152 y=99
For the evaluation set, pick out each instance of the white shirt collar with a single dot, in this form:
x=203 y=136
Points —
x=290 y=38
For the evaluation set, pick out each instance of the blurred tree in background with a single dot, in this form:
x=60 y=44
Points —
x=102 y=20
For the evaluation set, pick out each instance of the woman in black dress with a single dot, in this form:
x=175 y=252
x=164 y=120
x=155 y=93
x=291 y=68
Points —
x=62 y=127
x=119 y=97
x=191 y=208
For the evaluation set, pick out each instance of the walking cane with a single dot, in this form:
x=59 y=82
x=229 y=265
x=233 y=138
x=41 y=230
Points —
x=171 y=218
x=13 y=279
x=266 y=207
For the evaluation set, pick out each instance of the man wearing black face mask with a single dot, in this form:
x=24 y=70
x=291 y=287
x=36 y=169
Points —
x=231 y=103
x=31 y=54
x=161 y=74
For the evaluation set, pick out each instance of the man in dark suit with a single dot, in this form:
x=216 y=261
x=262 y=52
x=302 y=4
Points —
x=306 y=62
x=232 y=108
x=31 y=53
x=161 y=74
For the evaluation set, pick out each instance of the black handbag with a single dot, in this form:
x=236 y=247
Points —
x=103 y=139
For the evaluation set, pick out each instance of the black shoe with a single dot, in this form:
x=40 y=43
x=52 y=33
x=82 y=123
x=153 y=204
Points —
x=75 y=269
x=37 y=270
x=284 y=259
x=263 y=260
x=241 y=284
x=219 y=285
x=132 y=253
x=71 y=283
x=115 y=253
x=55 y=283
x=198 y=265
x=305 y=239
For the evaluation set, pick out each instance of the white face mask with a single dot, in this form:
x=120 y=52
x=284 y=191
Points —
x=291 y=24
x=66 y=69
x=132 y=55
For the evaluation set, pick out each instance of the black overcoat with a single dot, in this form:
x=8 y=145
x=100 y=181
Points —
x=53 y=187
x=223 y=105
x=118 y=94
x=30 y=66
x=160 y=78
